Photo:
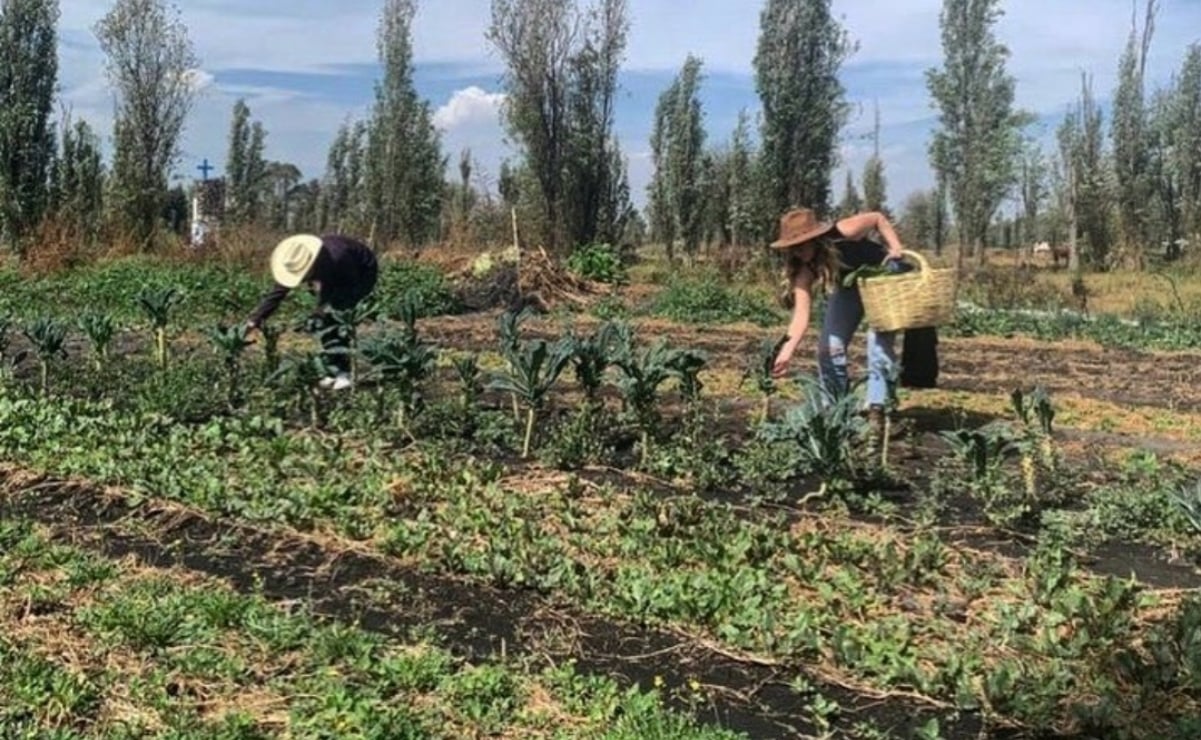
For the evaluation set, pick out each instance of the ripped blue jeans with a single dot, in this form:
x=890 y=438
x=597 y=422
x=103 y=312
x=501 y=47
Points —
x=844 y=312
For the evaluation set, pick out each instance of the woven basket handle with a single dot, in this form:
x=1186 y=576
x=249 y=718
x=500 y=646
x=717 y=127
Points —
x=924 y=267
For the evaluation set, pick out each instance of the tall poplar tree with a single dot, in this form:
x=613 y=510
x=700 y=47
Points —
x=594 y=207
x=800 y=52
x=28 y=74
x=245 y=168
x=150 y=65
x=77 y=182
x=875 y=186
x=977 y=146
x=403 y=169
x=1131 y=139
x=678 y=145
x=535 y=39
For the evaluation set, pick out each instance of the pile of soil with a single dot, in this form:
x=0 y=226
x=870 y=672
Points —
x=515 y=282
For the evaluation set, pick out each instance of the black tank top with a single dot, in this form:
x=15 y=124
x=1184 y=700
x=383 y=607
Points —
x=855 y=253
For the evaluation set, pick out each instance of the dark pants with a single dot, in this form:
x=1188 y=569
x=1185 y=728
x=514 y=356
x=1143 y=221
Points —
x=335 y=345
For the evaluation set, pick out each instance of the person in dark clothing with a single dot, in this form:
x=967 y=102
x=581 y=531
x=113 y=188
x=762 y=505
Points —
x=341 y=271
x=828 y=252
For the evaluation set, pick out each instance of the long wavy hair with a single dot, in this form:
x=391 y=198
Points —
x=824 y=264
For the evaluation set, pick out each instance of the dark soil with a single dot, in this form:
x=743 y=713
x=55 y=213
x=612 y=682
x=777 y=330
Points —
x=476 y=620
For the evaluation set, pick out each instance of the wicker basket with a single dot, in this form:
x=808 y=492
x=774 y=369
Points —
x=910 y=300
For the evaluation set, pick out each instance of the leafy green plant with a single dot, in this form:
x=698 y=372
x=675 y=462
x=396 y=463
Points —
x=599 y=262
x=7 y=363
x=299 y=377
x=584 y=438
x=696 y=455
x=706 y=300
x=983 y=452
x=686 y=365
x=1187 y=500
x=100 y=330
x=471 y=385
x=49 y=337
x=508 y=331
x=403 y=362
x=157 y=304
x=591 y=357
x=487 y=696
x=642 y=372
x=271 y=336
x=759 y=369
x=533 y=369
x=231 y=342
x=826 y=430
x=1035 y=443
x=982 y=449
x=344 y=324
x=424 y=286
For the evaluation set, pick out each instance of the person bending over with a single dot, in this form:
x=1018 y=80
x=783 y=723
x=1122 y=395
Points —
x=339 y=270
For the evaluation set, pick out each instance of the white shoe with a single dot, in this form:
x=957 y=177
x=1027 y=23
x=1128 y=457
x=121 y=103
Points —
x=326 y=383
x=341 y=382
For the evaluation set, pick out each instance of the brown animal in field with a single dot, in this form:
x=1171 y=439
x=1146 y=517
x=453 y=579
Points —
x=1056 y=253
x=1060 y=253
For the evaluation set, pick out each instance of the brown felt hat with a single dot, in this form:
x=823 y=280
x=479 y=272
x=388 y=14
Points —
x=799 y=226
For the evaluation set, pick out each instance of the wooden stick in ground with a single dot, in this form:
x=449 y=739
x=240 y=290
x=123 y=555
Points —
x=516 y=251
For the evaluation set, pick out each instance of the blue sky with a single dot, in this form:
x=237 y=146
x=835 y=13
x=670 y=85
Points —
x=307 y=66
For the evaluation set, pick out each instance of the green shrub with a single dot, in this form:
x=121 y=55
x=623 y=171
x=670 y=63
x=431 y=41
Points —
x=425 y=285
x=599 y=262
x=1141 y=506
x=706 y=300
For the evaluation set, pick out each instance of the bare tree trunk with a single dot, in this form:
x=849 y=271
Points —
x=1073 y=227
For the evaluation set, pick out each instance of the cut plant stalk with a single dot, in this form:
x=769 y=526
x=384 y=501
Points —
x=157 y=305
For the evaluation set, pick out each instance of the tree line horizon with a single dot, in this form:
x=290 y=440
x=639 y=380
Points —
x=1120 y=192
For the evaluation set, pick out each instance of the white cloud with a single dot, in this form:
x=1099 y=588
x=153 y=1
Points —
x=470 y=107
x=198 y=79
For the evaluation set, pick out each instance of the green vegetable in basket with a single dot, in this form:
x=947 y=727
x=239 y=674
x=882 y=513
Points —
x=866 y=271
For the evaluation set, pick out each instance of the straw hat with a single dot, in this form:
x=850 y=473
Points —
x=293 y=257
x=799 y=226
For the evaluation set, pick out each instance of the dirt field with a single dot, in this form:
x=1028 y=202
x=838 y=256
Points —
x=830 y=602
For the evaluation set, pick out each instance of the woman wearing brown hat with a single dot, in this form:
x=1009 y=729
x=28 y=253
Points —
x=341 y=271
x=821 y=251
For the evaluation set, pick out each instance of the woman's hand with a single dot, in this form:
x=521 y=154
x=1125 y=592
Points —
x=783 y=359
